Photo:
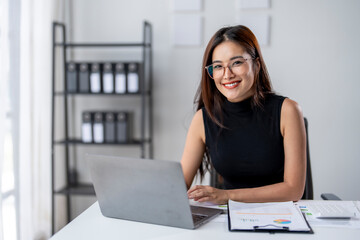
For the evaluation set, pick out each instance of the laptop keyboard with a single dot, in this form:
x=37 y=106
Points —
x=198 y=217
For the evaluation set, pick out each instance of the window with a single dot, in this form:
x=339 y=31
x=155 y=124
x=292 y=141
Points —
x=9 y=81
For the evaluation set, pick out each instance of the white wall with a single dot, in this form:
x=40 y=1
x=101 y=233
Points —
x=313 y=58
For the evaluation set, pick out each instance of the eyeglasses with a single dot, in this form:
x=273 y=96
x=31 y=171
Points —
x=217 y=70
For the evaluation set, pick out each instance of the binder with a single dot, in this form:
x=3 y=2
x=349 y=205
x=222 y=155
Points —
x=86 y=129
x=108 y=78
x=268 y=217
x=71 y=78
x=98 y=127
x=84 y=83
x=120 y=78
x=133 y=83
x=122 y=128
x=73 y=177
x=95 y=79
x=110 y=127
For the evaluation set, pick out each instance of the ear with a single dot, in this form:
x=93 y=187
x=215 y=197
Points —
x=256 y=65
x=257 y=62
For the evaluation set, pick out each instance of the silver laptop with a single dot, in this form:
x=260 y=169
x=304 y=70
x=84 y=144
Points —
x=145 y=190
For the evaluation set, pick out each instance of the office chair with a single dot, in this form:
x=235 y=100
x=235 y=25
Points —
x=308 y=191
x=217 y=181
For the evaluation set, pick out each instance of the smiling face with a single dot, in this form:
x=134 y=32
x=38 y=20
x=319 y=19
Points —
x=236 y=84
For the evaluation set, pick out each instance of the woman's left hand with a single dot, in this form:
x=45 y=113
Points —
x=203 y=193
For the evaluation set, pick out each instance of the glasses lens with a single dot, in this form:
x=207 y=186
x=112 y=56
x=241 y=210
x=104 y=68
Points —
x=210 y=71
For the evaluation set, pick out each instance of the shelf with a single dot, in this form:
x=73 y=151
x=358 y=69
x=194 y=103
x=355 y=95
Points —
x=80 y=189
x=66 y=142
x=100 y=94
x=80 y=142
x=103 y=44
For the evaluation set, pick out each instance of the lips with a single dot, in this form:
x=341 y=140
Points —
x=231 y=85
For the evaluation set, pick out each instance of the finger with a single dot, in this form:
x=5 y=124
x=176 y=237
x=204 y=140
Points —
x=203 y=199
x=194 y=195
x=199 y=193
x=204 y=195
x=194 y=188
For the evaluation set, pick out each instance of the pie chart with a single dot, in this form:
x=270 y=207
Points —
x=282 y=221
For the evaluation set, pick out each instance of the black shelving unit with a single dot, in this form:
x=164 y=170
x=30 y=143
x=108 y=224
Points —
x=146 y=132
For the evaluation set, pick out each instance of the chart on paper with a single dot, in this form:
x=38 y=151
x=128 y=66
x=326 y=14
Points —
x=266 y=215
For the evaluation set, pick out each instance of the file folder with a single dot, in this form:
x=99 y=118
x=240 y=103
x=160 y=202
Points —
x=122 y=128
x=120 y=78
x=71 y=78
x=110 y=127
x=133 y=82
x=86 y=132
x=108 y=78
x=95 y=78
x=98 y=127
x=84 y=82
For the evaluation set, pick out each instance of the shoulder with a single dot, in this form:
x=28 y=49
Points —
x=291 y=115
x=291 y=108
x=197 y=125
x=198 y=116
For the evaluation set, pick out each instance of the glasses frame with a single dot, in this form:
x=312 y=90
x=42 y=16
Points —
x=228 y=66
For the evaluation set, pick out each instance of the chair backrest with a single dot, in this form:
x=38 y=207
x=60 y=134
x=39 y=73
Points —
x=308 y=191
x=217 y=181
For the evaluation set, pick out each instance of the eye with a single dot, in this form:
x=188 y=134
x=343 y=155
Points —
x=237 y=63
x=217 y=66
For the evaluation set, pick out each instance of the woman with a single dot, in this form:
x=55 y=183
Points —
x=253 y=138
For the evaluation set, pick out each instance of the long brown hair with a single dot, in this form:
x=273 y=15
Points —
x=209 y=97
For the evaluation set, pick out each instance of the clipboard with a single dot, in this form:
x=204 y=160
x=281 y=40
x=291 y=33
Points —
x=278 y=217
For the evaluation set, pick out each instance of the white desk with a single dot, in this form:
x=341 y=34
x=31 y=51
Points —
x=91 y=224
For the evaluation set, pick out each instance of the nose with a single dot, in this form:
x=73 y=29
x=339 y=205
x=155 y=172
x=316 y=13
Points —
x=228 y=73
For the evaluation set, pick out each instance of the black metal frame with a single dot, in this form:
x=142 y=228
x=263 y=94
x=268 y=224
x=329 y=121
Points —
x=145 y=94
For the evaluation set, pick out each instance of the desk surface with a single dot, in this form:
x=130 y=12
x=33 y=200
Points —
x=91 y=224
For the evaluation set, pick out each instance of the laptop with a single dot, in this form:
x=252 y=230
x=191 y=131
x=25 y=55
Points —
x=145 y=190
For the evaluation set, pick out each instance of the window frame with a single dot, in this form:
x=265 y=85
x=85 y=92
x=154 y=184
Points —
x=11 y=33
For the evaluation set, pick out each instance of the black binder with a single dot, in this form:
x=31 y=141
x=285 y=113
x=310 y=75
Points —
x=110 y=127
x=84 y=79
x=122 y=128
x=71 y=78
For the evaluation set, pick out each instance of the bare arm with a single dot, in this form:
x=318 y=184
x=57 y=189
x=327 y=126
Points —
x=194 y=148
x=291 y=189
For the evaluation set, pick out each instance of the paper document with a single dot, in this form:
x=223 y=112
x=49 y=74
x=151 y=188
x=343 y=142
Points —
x=266 y=216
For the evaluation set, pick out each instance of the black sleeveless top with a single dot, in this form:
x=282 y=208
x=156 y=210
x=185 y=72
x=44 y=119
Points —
x=249 y=152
